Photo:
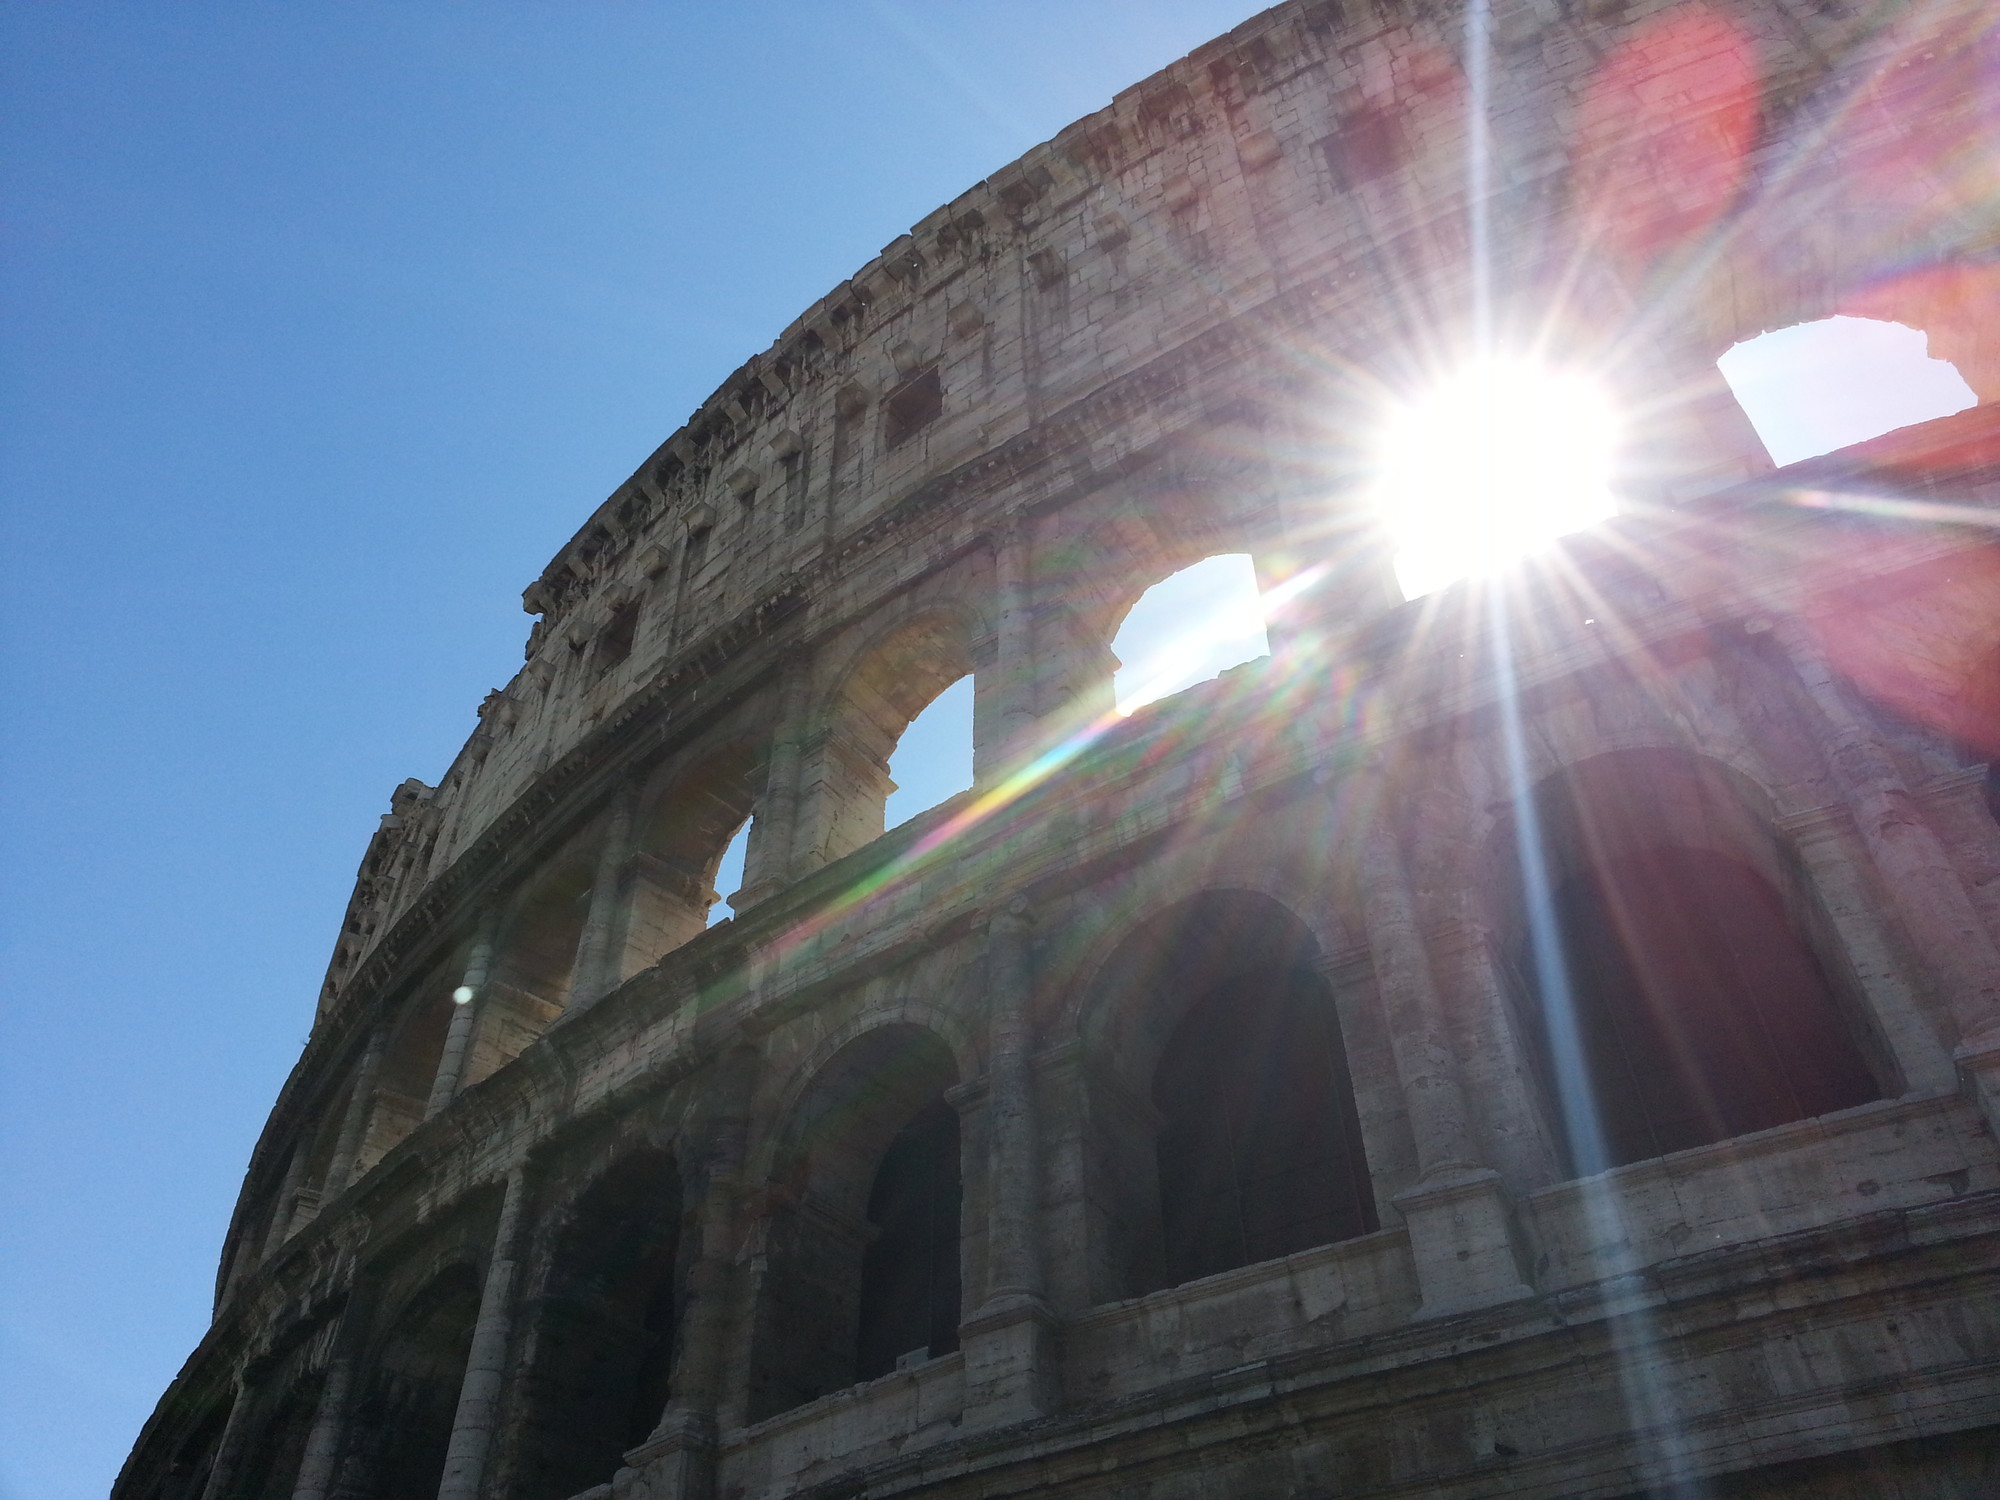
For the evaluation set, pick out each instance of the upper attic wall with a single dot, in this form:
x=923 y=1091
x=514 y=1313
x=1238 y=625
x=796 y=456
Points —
x=1313 y=159
x=1278 y=150
x=953 y=293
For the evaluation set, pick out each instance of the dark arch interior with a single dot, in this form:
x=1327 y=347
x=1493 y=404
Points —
x=402 y=1426
x=862 y=1264
x=1260 y=1147
x=409 y=1068
x=1696 y=1007
x=1252 y=1146
x=537 y=951
x=604 y=1339
x=891 y=684
x=909 y=1276
x=271 y=1466
x=680 y=842
x=1700 y=1012
x=186 y=1475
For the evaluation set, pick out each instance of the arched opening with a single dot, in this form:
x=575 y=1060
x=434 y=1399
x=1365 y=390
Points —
x=534 y=971
x=1691 y=1006
x=409 y=1069
x=1820 y=386
x=536 y=964
x=729 y=875
x=1702 y=1013
x=1259 y=1150
x=903 y=675
x=305 y=1187
x=186 y=1473
x=862 y=1264
x=932 y=761
x=1247 y=1145
x=676 y=878
x=271 y=1465
x=909 y=1276
x=1191 y=626
x=402 y=1425
x=604 y=1337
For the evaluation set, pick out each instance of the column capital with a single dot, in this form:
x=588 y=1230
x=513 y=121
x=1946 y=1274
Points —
x=1010 y=1373
x=475 y=1419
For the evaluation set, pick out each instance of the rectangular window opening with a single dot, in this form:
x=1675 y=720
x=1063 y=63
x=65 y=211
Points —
x=614 y=643
x=1370 y=144
x=911 y=407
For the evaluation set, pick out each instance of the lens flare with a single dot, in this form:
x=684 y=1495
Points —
x=1495 y=463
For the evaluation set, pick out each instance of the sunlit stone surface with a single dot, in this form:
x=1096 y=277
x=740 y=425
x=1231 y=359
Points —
x=1542 y=1038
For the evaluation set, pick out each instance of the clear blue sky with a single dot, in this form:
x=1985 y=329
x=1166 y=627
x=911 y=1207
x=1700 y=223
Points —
x=327 y=323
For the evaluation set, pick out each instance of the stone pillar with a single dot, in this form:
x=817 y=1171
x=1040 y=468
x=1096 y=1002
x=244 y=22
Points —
x=1515 y=1136
x=1439 y=1118
x=1075 y=672
x=1945 y=930
x=1009 y=737
x=1461 y=1234
x=677 y=1462
x=329 y=1424
x=819 y=799
x=360 y=1104
x=595 y=973
x=486 y=1361
x=1011 y=1370
x=465 y=1009
x=768 y=860
x=235 y=1438
x=1014 y=1234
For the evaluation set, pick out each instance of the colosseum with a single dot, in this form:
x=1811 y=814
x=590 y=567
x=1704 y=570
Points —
x=1539 y=1038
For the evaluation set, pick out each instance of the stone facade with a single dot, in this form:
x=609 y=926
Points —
x=1191 y=1106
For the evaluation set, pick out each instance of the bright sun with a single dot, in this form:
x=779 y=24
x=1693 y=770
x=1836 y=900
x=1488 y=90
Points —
x=1499 y=460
